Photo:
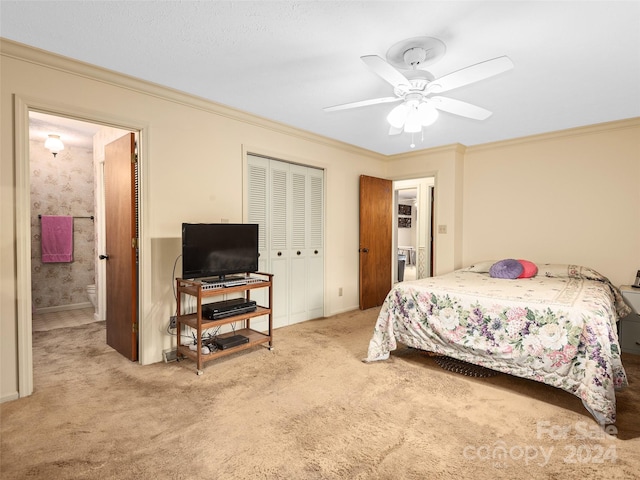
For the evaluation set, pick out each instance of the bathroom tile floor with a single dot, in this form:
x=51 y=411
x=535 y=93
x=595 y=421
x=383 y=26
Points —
x=42 y=322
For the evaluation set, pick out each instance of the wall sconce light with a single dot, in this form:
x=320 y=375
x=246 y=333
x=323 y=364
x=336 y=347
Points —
x=54 y=144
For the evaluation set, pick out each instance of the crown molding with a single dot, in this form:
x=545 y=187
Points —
x=570 y=132
x=43 y=58
x=456 y=148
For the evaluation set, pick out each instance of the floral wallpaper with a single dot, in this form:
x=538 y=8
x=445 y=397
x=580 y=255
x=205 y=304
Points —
x=62 y=185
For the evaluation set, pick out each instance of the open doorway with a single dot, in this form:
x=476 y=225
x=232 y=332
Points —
x=67 y=184
x=63 y=182
x=406 y=233
x=23 y=107
x=413 y=245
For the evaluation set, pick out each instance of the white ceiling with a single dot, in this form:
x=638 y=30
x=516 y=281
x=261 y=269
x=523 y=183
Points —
x=576 y=63
x=73 y=133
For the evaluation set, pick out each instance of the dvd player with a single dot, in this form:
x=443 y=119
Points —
x=227 y=342
x=227 y=308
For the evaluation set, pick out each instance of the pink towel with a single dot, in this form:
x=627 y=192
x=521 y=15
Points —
x=57 y=239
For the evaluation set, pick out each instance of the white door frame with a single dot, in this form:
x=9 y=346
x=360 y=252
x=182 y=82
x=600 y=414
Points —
x=22 y=106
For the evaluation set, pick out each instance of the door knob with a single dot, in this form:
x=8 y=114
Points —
x=364 y=250
x=103 y=257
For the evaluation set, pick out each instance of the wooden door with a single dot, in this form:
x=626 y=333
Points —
x=121 y=246
x=376 y=221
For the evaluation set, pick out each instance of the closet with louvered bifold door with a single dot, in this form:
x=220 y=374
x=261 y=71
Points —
x=287 y=201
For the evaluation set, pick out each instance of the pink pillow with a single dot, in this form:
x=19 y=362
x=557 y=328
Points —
x=529 y=269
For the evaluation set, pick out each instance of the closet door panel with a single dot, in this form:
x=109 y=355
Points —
x=279 y=240
x=315 y=286
x=258 y=211
x=297 y=296
x=258 y=189
x=298 y=253
x=315 y=243
x=280 y=270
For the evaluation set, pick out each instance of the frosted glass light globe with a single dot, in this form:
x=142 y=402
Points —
x=398 y=115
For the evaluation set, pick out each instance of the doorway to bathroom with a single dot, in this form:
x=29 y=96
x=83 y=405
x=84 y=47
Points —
x=68 y=183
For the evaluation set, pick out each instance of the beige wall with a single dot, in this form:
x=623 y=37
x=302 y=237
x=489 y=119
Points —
x=566 y=197
x=192 y=154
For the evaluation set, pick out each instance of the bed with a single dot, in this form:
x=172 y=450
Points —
x=557 y=327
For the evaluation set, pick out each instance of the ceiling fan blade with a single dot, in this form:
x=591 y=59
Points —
x=461 y=108
x=385 y=70
x=471 y=74
x=395 y=131
x=362 y=103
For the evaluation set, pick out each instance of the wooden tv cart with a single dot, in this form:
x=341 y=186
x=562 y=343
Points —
x=201 y=290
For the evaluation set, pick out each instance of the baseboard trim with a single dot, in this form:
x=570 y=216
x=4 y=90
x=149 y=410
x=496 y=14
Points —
x=343 y=310
x=9 y=397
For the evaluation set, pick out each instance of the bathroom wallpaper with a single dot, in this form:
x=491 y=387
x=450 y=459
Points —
x=63 y=185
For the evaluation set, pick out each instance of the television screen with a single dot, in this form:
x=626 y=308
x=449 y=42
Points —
x=219 y=249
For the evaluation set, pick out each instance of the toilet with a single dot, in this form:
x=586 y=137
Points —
x=91 y=293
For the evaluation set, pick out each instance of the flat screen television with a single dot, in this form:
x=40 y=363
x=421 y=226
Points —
x=219 y=249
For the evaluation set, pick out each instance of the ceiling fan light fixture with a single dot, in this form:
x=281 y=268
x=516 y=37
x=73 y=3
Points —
x=427 y=113
x=398 y=115
x=412 y=124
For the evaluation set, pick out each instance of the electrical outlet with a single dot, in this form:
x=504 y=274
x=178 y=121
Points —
x=340 y=292
x=172 y=321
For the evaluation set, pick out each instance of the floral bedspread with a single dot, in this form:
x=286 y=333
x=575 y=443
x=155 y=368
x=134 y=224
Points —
x=558 y=327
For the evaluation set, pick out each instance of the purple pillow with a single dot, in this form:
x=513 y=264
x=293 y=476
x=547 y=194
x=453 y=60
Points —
x=508 y=268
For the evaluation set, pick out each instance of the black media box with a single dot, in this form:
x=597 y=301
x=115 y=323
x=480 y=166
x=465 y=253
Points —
x=228 y=342
x=227 y=308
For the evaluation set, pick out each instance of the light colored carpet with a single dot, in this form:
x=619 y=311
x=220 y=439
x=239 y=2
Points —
x=309 y=409
x=43 y=322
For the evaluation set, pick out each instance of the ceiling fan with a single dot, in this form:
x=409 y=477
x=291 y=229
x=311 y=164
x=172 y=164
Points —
x=417 y=89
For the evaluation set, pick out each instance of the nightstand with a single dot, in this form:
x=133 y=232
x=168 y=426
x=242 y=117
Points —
x=630 y=325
